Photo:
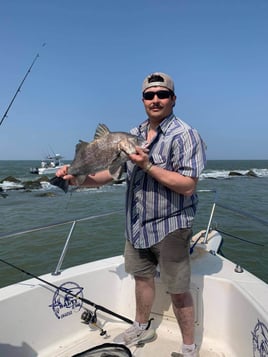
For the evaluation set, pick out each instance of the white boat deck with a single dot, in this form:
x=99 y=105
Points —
x=166 y=342
x=231 y=314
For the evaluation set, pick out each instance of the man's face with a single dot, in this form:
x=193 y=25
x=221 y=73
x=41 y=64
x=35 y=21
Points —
x=158 y=108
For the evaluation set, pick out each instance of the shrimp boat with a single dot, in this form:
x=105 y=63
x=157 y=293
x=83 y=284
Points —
x=80 y=310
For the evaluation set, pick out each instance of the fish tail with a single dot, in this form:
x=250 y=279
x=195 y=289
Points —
x=60 y=182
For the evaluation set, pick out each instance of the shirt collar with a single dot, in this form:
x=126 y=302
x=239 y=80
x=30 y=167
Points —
x=163 y=126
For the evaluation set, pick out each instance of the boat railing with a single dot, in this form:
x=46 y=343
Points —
x=232 y=210
x=73 y=223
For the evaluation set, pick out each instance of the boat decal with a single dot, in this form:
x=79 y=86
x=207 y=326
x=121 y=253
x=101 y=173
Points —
x=260 y=340
x=64 y=303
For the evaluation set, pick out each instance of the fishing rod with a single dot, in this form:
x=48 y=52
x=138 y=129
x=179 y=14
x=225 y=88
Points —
x=84 y=300
x=19 y=88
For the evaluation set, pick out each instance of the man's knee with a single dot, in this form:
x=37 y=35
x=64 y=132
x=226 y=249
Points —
x=182 y=300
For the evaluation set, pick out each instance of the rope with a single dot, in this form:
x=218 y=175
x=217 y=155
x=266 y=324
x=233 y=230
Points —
x=242 y=239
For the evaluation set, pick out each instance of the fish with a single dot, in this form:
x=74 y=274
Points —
x=109 y=150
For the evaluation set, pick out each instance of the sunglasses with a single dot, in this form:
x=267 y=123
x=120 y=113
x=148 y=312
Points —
x=161 y=94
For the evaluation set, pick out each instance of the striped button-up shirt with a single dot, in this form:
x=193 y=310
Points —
x=153 y=210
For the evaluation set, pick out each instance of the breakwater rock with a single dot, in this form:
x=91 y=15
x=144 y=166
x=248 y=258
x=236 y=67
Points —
x=12 y=183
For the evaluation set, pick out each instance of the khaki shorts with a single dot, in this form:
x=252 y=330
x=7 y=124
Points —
x=172 y=255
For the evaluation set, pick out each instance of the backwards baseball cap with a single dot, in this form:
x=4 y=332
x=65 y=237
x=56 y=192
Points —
x=158 y=79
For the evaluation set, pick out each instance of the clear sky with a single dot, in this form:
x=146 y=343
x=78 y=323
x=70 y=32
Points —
x=97 y=54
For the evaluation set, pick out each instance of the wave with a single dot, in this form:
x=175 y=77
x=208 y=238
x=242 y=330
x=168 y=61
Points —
x=227 y=174
x=9 y=185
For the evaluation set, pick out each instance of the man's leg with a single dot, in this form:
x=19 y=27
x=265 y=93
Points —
x=140 y=261
x=183 y=308
x=140 y=331
x=145 y=292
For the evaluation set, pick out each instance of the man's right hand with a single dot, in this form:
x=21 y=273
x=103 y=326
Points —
x=63 y=173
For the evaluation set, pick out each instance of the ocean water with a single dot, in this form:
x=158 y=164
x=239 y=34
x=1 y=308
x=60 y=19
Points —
x=98 y=233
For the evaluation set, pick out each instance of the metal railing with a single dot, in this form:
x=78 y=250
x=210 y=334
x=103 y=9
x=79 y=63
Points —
x=233 y=210
x=57 y=224
x=73 y=223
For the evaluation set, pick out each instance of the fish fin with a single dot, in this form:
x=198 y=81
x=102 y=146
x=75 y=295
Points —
x=101 y=131
x=60 y=182
x=80 y=179
x=116 y=174
x=116 y=169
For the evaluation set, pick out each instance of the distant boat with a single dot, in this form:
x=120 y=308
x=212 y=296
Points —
x=49 y=165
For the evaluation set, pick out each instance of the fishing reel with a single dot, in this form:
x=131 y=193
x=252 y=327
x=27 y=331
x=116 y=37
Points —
x=90 y=318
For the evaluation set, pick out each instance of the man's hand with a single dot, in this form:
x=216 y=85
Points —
x=63 y=172
x=141 y=158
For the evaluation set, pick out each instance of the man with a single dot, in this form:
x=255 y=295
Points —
x=160 y=208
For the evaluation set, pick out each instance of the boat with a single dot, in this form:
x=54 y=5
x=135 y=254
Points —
x=49 y=165
x=71 y=311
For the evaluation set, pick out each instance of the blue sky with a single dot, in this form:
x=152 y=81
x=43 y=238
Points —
x=97 y=54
